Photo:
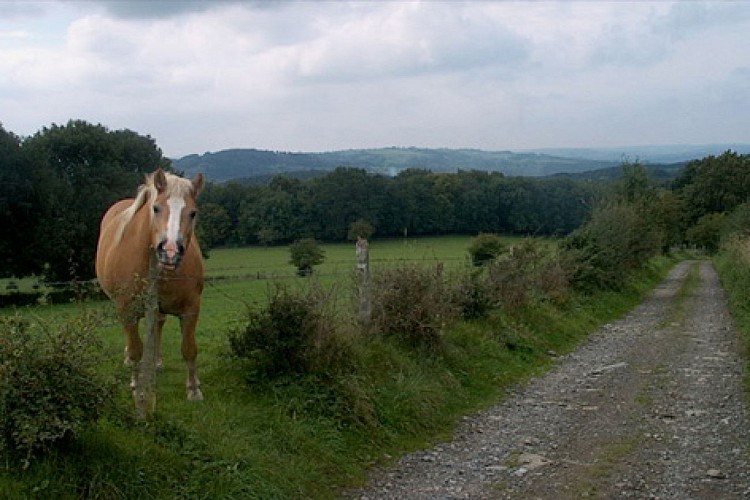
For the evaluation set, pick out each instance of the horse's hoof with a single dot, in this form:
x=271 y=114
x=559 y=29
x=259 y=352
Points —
x=160 y=365
x=195 y=394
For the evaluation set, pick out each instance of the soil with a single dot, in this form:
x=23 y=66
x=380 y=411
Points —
x=649 y=406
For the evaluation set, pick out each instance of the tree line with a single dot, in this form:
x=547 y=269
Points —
x=415 y=202
x=56 y=184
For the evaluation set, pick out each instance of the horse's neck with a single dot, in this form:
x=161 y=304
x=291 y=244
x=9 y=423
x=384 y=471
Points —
x=138 y=232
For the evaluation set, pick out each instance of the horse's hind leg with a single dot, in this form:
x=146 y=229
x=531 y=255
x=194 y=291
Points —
x=188 y=322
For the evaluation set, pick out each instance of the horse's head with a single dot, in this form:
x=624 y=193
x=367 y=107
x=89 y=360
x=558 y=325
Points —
x=173 y=212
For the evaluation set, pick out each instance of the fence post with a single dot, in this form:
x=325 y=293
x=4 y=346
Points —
x=145 y=393
x=363 y=273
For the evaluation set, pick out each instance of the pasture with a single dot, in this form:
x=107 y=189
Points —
x=287 y=439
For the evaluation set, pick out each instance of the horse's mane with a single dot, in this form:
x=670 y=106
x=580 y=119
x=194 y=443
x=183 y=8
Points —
x=147 y=192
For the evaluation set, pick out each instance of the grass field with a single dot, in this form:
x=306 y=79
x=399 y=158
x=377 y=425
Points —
x=287 y=440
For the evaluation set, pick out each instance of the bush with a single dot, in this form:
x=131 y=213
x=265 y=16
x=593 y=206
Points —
x=412 y=303
x=472 y=295
x=529 y=273
x=485 y=248
x=49 y=389
x=618 y=239
x=294 y=334
x=305 y=254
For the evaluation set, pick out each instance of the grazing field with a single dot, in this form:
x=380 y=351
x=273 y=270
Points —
x=291 y=438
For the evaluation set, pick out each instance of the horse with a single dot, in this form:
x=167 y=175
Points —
x=152 y=236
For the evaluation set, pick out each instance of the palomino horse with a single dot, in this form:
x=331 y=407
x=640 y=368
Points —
x=155 y=231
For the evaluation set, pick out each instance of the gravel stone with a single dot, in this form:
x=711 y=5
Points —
x=649 y=406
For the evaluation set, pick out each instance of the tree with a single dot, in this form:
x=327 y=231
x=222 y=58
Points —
x=715 y=184
x=485 y=248
x=360 y=229
x=19 y=201
x=707 y=232
x=305 y=254
x=213 y=225
x=81 y=169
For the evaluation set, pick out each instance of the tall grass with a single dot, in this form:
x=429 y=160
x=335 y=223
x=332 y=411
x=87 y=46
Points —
x=302 y=437
x=733 y=265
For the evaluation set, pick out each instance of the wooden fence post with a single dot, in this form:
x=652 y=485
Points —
x=145 y=393
x=363 y=273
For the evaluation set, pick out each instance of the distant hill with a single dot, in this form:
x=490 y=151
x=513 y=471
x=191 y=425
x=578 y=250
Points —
x=647 y=154
x=246 y=164
x=662 y=174
x=254 y=166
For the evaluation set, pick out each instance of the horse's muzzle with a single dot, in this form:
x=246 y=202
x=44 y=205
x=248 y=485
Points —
x=170 y=254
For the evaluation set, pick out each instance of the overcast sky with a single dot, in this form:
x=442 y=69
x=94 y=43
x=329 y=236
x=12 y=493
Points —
x=317 y=76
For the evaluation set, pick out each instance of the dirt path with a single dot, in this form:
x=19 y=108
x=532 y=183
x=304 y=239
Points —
x=651 y=406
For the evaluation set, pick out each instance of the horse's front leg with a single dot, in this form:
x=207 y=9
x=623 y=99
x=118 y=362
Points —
x=188 y=322
x=133 y=350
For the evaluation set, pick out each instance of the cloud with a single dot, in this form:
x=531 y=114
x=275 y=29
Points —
x=142 y=9
x=325 y=75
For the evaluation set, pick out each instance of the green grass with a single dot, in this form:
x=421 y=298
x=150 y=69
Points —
x=733 y=266
x=289 y=440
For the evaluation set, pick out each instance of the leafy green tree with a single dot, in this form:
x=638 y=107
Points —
x=634 y=184
x=485 y=248
x=213 y=226
x=305 y=254
x=360 y=228
x=335 y=200
x=81 y=170
x=715 y=184
x=267 y=236
x=19 y=202
x=707 y=232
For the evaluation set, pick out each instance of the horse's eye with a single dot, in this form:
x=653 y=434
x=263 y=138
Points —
x=193 y=213
x=157 y=209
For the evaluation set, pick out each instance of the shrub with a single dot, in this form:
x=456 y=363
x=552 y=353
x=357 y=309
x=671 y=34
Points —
x=531 y=272
x=618 y=239
x=305 y=254
x=49 y=389
x=294 y=334
x=472 y=295
x=485 y=248
x=707 y=232
x=412 y=303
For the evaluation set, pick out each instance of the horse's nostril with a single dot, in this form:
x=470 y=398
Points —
x=180 y=247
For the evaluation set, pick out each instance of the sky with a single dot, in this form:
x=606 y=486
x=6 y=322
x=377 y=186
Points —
x=200 y=76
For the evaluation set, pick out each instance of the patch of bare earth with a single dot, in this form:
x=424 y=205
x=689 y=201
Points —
x=650 y=406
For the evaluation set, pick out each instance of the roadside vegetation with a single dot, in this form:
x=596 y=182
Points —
x=302 y=396
x=300 y=400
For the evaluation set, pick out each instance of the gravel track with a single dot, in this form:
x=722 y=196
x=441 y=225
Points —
x=650 y=406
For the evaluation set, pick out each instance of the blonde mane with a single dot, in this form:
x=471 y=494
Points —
x=147 y=192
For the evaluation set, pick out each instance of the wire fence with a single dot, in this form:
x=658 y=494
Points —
x=225 y=281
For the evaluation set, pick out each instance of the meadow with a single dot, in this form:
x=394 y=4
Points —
x=291 y=438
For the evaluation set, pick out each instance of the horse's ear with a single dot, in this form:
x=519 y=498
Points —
x=198 y=182
x=160 y=180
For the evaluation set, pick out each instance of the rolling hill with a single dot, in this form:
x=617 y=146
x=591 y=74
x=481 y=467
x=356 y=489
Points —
x=232 y=164
x=256 y=166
